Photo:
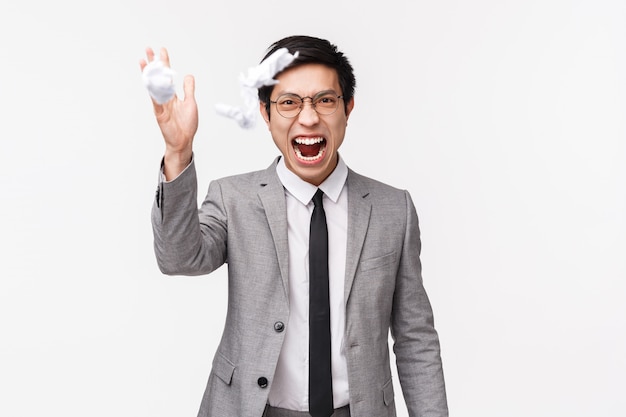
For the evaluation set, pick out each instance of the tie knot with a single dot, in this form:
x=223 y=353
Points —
x=317 y=198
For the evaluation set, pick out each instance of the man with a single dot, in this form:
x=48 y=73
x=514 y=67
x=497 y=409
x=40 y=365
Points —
x=307 y=329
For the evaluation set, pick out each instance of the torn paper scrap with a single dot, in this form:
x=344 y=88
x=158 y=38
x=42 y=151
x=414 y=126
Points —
x=258 y=76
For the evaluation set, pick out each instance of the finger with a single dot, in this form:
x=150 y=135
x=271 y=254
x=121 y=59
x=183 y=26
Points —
x=149 y=56
x=158 y=108
x=189 y=86
x=165 y=57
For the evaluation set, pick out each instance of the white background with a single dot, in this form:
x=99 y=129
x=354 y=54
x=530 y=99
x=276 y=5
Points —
x=504 y=119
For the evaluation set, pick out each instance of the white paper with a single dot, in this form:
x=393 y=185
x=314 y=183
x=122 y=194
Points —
x=258 y=76
x=159 y=80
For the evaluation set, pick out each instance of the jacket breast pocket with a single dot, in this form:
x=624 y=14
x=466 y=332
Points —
x=223 y=368
x=377 y=262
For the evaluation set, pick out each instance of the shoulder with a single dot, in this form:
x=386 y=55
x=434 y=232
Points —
x=243 y=178
x=376 y=189
x=254 y=176
x=385 y=199
x=248 y=181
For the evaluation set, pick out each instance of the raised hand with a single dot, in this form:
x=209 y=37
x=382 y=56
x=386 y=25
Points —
x=177 y=119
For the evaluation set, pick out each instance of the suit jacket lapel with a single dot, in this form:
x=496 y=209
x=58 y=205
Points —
x=359 y=210
x=272 y=196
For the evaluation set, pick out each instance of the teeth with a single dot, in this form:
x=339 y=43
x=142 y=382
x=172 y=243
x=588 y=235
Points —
x=308 y=141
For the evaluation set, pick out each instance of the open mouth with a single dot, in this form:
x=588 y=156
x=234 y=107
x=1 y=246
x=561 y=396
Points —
x=309 y=149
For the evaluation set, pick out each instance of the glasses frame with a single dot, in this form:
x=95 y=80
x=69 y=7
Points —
x=312 y=99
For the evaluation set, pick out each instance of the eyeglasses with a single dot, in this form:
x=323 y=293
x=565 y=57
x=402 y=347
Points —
x=290 y=105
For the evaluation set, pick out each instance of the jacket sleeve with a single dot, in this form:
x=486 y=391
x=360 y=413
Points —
x=416 y=343
x=182 y=245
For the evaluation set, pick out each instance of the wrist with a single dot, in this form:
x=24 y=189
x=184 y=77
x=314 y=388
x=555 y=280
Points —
x=175 y=162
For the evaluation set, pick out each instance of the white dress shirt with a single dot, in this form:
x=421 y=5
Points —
x=290 y=388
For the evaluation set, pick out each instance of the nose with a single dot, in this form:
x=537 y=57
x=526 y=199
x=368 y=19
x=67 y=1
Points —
x=308 y=115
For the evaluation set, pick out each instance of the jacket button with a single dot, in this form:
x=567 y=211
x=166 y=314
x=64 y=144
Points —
x=262 y=382
x=279 y=326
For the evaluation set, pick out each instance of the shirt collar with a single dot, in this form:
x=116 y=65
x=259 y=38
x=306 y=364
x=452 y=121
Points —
x=304 y=191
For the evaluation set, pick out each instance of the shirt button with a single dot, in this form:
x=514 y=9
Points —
x=262 y=382
x=279 y=326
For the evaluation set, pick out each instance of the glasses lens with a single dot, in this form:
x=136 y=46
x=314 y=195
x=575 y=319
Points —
x=288 y=105
x=326 y=103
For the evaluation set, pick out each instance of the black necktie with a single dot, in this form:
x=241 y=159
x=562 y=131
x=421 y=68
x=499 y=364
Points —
x=320 y=378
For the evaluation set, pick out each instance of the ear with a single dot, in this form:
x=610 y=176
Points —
x=263 y=111
x=349 y=108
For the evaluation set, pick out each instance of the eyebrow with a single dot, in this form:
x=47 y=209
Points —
x=320 y=93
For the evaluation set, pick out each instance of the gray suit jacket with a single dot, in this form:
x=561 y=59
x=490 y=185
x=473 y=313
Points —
x=243 y=222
